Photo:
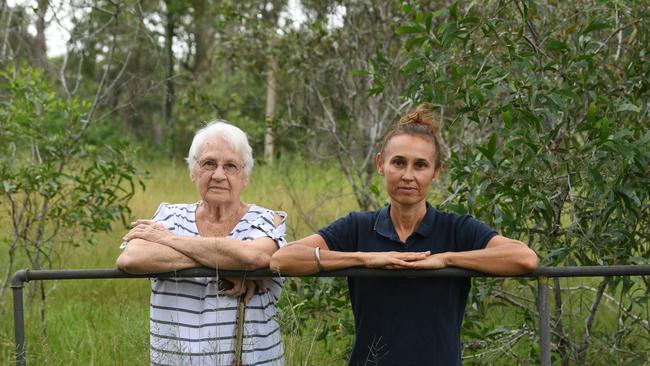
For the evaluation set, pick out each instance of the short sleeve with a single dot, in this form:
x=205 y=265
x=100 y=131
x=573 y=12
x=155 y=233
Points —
x=473 y=234
x=266 y=224
x=161 y=213
x=341 y=234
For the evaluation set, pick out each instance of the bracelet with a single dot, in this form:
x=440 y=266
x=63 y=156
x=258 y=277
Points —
x=317 y=253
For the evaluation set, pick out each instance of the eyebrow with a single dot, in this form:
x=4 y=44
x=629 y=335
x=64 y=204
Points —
x=405 y=158
x=216 y=160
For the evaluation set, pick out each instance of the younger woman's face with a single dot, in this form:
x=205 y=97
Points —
x=408 y=165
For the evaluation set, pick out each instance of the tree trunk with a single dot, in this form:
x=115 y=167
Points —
x=201 y=36
x=270 y=109
x=166 y=128
x=40 y=47
x=272 y=16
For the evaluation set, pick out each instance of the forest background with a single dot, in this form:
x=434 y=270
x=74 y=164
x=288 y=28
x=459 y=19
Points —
x=544 y=113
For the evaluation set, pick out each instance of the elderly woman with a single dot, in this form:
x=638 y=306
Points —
x=194 y=321
x=407 y=321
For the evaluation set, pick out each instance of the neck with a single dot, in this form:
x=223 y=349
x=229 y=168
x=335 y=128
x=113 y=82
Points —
x=222 y=212
x=406 y=218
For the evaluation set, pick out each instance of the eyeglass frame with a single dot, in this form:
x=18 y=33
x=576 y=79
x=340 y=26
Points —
x=229 y=172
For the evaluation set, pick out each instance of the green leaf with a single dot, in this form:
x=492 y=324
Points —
x=428 y=21
x=415 y=42
x=507 y=118
x=628 y=107
x=453 y=10
x=412 y=65
x=409 y=29
x=594 y=26
x=555 y=45
x=492 y=145
x=477 y=94
x=406 y=8
x=360 y=72
x=374 y=189
x=603 y=125
x=376 y=90
x=629 y=193
x=470 y=20
x=591 y=112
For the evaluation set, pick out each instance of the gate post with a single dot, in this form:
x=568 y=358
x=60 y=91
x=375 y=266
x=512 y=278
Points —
x=544 y=320
x=17 y=284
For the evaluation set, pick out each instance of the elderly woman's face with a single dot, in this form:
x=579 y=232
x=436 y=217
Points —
x=219 y=173
x=408 y=165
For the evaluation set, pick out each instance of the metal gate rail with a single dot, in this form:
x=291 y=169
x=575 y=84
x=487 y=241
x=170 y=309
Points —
x=541 y=274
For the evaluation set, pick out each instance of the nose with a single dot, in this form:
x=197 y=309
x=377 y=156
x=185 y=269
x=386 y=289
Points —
x=408 y=174
x=219 y=173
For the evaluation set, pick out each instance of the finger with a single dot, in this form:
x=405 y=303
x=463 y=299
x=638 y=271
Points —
x=224 y=284
x=231 y=292
x=414 y=256
x=238 y=288
x=132 y=234
x=398 y=263
x=261 y=286
x=141 y=222
x=250 y=291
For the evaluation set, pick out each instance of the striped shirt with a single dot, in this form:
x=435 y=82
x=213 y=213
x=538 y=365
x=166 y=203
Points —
x=192 y=323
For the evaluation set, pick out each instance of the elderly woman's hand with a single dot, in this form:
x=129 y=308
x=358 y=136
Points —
x=149 y=231
x=248 y=287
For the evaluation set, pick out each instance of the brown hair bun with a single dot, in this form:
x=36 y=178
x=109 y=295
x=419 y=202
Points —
x=422 y=123
x=422 y=115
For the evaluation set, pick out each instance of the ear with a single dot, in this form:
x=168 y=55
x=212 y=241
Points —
x=247 y=179
x=379 y=164
x=436 y=173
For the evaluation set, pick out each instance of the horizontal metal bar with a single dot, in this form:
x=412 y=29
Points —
x=27 y=275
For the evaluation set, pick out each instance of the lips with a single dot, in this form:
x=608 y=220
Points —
x=218 y=188
x=407 y=189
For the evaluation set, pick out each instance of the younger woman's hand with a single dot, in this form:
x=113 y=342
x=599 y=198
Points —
x=435 y=261
x=393 y=260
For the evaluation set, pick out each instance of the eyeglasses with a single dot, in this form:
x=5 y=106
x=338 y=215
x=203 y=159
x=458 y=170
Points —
x=229 y=168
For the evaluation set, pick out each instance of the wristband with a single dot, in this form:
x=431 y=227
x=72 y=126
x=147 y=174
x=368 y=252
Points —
x=317 y=254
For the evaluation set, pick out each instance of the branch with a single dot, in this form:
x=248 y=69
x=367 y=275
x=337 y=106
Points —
x=563 y=342
x=644 y=323
x=533 y=32
x=582 y=350
x=619 y=29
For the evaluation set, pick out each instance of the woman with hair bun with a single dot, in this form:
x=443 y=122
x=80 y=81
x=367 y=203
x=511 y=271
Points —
x=407 y=321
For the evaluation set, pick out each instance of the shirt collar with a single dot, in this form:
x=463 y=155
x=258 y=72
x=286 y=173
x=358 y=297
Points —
x=384 y=225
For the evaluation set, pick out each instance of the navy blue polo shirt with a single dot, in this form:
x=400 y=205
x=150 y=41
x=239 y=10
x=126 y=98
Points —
x=407 y=321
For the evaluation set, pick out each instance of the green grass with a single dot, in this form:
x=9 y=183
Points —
x=105 y=322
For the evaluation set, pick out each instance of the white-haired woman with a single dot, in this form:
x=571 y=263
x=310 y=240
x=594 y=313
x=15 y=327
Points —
x=193 y=321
